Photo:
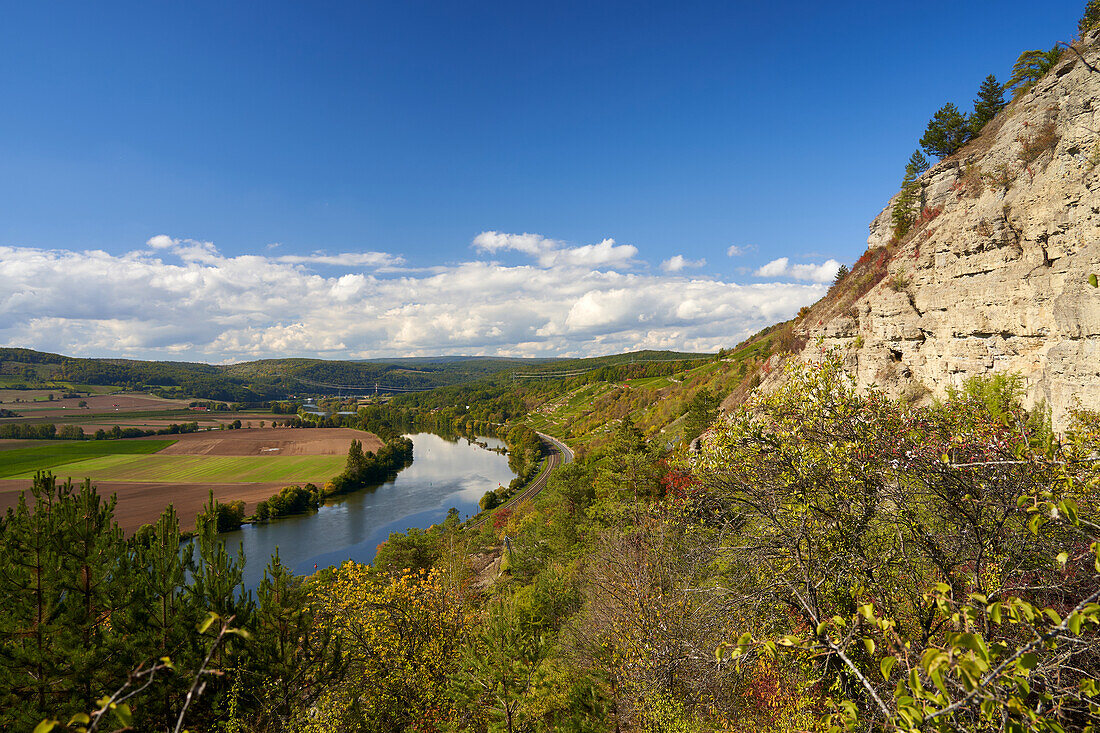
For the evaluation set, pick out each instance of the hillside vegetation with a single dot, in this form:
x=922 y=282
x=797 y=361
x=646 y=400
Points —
x=831 y=556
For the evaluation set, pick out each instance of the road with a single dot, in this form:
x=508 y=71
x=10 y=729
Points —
x=560 y=454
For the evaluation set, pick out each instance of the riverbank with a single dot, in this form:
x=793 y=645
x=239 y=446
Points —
x=443 y=475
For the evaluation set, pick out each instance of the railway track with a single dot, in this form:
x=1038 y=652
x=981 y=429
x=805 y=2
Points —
x=560 y=454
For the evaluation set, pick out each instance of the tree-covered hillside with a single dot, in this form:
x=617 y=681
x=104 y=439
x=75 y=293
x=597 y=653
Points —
x=829 y=559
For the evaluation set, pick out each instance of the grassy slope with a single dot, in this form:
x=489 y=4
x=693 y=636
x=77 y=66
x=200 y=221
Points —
x=587 y=415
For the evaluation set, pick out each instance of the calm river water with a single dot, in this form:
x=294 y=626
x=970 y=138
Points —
x=443 y=474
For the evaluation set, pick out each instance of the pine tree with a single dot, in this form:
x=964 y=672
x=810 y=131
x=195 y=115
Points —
x=31 y=664
x=947 y=131
x=216 y=587
x=62 y=580
x=216 y=581
x=1030 y=68
x=990 y=101
x=94 y=572
x=908 y=201
x=1091 y=18
x=164 y=614
x=917 y=164
x=701 y=413
x=292 y=658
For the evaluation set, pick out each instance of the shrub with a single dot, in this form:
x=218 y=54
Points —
x=289 y=500
x=489 y=501
x=1001 y=177
x=927 y=214
x=226 y=517
x=948 y=569
x=1044 y=139
x=416 y=550
x=899 y=282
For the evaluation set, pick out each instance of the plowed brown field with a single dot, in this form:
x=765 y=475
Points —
x=97 y=404
x=142 y=503
x=270 y=442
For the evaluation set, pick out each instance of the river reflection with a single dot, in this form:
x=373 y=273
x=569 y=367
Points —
x=443 y=474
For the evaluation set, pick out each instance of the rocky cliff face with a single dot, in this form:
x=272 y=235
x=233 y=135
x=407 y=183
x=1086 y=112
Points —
x=995 y=275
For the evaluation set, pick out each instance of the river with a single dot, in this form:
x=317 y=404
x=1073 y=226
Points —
x=443 y=474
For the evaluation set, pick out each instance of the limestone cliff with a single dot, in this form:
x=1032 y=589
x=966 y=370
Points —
x=994 y=277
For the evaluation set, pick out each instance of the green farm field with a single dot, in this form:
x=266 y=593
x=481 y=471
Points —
x=197 y=469
x=23 y=462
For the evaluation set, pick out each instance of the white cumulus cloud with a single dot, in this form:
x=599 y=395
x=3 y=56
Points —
x=531 y=244
x=550 y=252
x=183 y=299
x=676 y=263
x=782 y=267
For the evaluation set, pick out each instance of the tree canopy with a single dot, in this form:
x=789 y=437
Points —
x=989 y=102
x=946 y=132
x=1030 y=67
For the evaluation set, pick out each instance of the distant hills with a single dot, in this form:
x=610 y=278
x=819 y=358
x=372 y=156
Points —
x=273 y=379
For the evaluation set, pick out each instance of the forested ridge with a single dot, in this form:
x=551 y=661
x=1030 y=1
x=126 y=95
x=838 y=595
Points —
x=275 y=379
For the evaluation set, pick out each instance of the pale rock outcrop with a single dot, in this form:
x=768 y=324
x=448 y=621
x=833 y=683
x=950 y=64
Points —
x=998 y=279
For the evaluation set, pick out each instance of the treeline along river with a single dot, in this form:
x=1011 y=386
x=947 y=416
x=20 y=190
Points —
x=444 y=474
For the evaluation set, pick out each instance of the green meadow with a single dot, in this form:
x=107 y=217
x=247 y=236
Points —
x=196 y=469
x=23 y=462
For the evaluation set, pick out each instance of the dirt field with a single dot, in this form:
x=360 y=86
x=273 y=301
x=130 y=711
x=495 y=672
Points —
x=142 y=503
x=92 y=423
x=271 y=442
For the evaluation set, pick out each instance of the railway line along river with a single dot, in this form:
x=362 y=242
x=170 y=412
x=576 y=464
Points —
x=443 y=474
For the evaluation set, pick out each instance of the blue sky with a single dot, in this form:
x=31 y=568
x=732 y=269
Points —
x=386 y=156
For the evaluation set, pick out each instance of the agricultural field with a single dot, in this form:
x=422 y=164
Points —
x=23 y=462
x=127 y=410
x=198 y=469
x=147 y=474
x=272 y=442
x=38 y=403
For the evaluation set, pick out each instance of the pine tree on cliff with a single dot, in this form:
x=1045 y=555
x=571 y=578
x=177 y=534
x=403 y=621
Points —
x=1091 y=19
x=947 y=131
x=990 y=101
x=908 y=202
x=1030 y=68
